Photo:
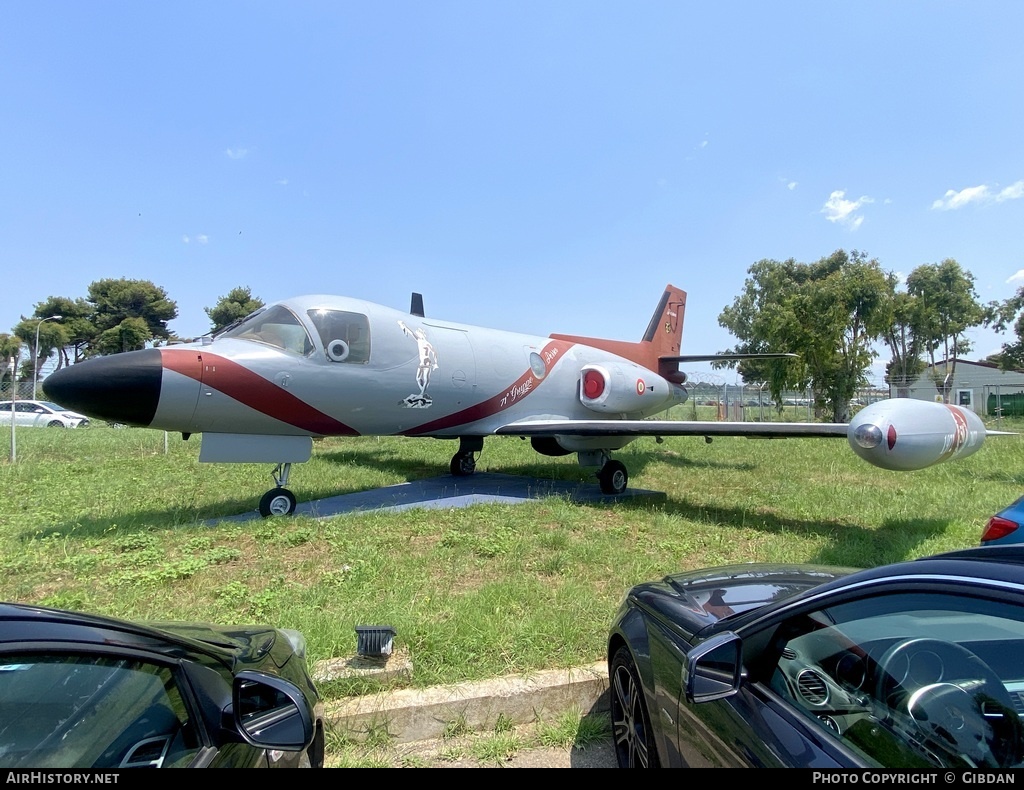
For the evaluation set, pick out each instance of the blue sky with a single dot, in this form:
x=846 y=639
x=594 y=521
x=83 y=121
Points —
x=535 y=166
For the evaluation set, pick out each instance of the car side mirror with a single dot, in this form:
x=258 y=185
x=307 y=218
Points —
x=713 y=668
x=270 y=712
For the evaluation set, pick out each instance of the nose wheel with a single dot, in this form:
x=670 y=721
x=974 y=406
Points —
x=278 y=501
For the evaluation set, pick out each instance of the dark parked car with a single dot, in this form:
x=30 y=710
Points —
x=915 y=665
x=1004 y=526
x=83 y=691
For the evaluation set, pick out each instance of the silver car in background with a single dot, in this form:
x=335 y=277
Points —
x=41 y=414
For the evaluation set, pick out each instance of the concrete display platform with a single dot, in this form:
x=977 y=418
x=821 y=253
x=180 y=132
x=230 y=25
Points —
x=448 y=491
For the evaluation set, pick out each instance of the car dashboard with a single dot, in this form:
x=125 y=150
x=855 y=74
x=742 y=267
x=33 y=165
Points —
x=942 y=703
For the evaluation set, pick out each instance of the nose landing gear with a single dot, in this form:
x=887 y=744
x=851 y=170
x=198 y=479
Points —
x=278 y=501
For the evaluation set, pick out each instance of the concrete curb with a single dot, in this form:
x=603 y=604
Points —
x=424 y=714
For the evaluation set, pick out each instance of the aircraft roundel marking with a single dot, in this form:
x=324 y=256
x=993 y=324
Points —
x=640 y=386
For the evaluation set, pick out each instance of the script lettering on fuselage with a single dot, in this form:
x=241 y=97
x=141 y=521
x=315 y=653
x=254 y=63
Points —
x=518 y=391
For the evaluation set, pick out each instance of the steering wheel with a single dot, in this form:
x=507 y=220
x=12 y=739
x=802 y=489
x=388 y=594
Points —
x=954 y=700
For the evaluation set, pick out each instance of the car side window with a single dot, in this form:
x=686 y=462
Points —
x=911 y=680
x=90 y=711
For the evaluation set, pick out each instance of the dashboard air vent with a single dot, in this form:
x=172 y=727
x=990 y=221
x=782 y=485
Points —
x=812 y=687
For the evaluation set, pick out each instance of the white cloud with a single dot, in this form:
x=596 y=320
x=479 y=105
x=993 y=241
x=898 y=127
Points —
x=791 y=186
x=838 y=209
x=237 y=153
x=1016 y=276
x=953 y=199
x=282 y=182
x=202 y=238
x=1012 y=192
x=979 y=194
x=185 y=239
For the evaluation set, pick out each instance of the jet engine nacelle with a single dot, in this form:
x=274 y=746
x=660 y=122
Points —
x=625 y=388
x=903 y=434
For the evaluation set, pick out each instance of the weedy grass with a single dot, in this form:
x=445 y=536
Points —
x=116 y=521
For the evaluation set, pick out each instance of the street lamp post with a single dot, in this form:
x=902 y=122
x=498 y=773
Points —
x=35 y=356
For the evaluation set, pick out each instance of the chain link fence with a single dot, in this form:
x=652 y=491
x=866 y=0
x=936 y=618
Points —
x=711 y=398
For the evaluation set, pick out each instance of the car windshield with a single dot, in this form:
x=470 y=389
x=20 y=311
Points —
x=52 y=406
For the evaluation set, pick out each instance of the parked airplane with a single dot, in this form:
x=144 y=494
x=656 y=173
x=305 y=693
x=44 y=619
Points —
x=314 y=366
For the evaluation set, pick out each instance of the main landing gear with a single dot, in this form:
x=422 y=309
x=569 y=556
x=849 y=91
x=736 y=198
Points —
x=464 y=461
x=613 y=477
x=278 y=501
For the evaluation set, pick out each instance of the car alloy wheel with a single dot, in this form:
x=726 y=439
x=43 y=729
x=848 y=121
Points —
x=631 y=726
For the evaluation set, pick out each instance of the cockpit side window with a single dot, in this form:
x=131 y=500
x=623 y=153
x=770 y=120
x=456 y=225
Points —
x=346 y=336
x=276 y=326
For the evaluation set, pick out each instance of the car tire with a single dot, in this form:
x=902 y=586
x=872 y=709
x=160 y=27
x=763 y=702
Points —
x=631 y=724
x=54 y=424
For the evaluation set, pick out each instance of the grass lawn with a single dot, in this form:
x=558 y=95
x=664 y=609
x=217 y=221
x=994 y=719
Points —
x=111 y=521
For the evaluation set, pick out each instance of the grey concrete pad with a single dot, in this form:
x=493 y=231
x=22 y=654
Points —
x=423 y=714
x=448 y=491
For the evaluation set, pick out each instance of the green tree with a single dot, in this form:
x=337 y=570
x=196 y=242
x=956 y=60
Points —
x=127 y=314
x=947 y=307
x=10 y=348
x=829 y=313
x=1002 y=316
x=50 y=334
x=904 y=337
x=130 y=334
x=237 y=304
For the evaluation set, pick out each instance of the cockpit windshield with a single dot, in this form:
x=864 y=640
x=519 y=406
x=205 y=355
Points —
x=276 y=326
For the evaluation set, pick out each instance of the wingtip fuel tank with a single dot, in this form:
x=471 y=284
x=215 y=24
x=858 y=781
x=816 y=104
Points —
x=903 y=435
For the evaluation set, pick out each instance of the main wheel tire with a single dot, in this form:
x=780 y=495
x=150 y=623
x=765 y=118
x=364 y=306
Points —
x=277 y=502
x=463 y=464
x=631 y=724
x=613 y=477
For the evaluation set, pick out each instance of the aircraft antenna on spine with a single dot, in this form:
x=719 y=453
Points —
x=416 y=305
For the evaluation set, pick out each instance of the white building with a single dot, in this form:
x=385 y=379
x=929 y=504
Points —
x=981 y=386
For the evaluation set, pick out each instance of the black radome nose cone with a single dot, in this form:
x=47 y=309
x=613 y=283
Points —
x=122 y=388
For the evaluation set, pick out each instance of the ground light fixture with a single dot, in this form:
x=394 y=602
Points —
x=375 y=641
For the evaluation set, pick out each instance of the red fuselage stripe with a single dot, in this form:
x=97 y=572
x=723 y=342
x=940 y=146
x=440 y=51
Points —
x=238 y=382
x=243 y=385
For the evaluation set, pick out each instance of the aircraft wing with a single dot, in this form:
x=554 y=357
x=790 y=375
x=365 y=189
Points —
x=900 y=434
x=765 y=430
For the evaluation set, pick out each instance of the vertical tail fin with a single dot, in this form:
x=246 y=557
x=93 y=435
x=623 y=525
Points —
x=663 y=338
x=665 y=332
